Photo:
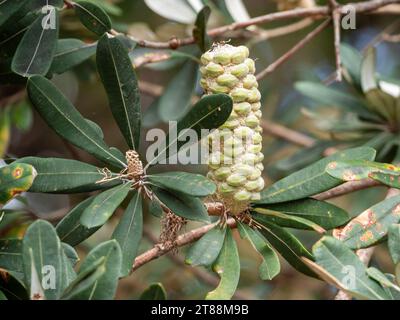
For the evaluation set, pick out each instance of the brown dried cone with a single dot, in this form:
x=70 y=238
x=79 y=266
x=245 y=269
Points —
x=171 y=225
x=135 y=166
x=284 y=5
x=235 y=158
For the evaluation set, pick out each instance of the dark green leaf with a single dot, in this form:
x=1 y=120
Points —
x=70 y=53
x=69 y=259
x=322 y=213
x=103 y=206
x=270 y=265
x=387 y=179
x=57 y=175
x=85 y=279
x=340 y=266
x=70 y=229
x=13 y=288
x=182 y=205
x=96 y=128
x=93 y=17
x=155 y=208
x=209 y=113
x=200 y=29
x=105 y=286
x=394 y=294
x=36 y=49
x=372 y=225
x=70 y=253
x=41 y=249
x=190 y=184
x=119 y=80
x=286 y=244
x=15 y=178
x=176 y=98
x=151 y=116
x=381 y=278
x=227 y=267
x=155 y=291
x=394 y=242
x=64 y=119
x=312 y=179
x=354 y=170
x=206 y=250
x=290 y=219
x=128 y=233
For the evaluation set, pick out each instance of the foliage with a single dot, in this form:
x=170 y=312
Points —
x=116 y=187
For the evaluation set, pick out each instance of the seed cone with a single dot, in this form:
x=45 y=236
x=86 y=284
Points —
x=235 y=158
x=135 y=166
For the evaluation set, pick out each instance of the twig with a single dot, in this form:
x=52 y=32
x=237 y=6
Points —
x=380 y=36
x=182 y=240
x=200 y=274
x=346 y=188
x=336 y=15
x=316 y=12
x=280 y=31
x=287 y=134
x=391 y=37
x=151 y=58
x=293 y=50
x=373 y=42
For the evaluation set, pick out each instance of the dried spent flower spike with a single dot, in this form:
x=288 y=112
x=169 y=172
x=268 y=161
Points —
x=235 y=158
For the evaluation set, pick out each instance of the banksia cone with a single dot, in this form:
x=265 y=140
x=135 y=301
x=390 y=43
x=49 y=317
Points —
x=235 y=158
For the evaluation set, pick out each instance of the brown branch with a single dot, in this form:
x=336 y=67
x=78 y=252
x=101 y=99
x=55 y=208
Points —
x=293 y=50
x=388 y=9
x=391 y=38
x=280 y=31
x=287 y=134
x=346 y=188
x=182 y=240
x=316 y=12
x=336 y=18
x=200 y=274
x=151 y=58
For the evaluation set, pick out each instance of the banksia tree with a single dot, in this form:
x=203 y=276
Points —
x=235 y=158
x=125 y=185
